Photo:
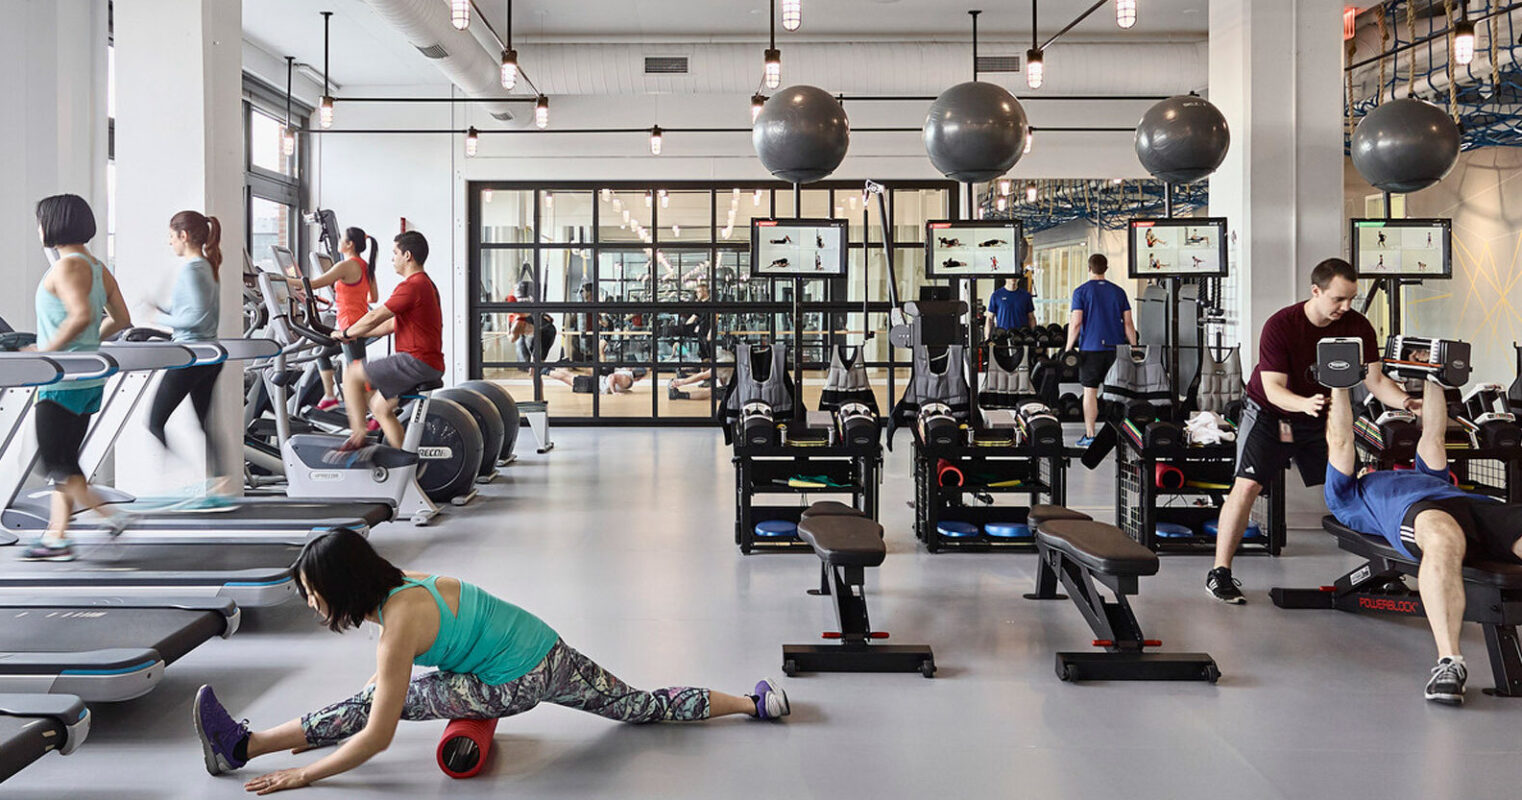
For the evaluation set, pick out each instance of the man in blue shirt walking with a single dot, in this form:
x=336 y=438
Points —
x=1010 y=307
x=1100 y=320
x=1423 y=515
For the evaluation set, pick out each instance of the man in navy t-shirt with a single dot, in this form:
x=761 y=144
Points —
x=1010 y=308
x=1424 y=516
x=1101 y=319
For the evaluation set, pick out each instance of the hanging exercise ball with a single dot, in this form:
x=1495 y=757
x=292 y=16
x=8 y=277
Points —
x=1182 y=139
x=975 y=132
x=801 y=134
x=1405 y=145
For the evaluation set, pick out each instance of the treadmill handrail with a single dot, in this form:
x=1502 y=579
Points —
x=142 y=356
x=28 y=369
x=250 y=349
x=227 y=608
x=206 y=353
x=66 y=708
x=84 y=365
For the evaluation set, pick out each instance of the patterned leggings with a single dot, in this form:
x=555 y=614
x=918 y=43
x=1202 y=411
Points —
x=565 y=678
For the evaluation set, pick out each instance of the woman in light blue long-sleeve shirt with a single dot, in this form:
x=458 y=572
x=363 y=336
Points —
x=193 y=315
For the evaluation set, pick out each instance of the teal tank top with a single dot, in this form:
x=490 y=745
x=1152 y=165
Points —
x=79 y=397
x=490 y=638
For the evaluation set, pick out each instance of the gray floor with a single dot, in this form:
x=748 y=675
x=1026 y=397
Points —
x=621 y=539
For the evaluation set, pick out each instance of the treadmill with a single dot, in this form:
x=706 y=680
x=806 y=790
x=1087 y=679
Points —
x=252 y=521
x=253 y=575
x=32 y=725
x=102 y=648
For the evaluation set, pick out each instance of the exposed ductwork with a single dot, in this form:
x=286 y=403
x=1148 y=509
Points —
x=864 y=68
x=425 y=24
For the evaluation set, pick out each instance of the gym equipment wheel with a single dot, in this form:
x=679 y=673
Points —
x=488 y=418
x=790 y=668
x=507 y=408
x=1212 y=673
x=450 y=451
x=927 y=668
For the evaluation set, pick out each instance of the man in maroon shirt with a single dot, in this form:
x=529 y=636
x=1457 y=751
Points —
x=1283 y=413
x=412 y=312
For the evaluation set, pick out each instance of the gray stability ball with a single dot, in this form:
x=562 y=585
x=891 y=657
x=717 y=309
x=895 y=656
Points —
x=801 y=134
x=1182 y=139
x=975 y=132
x=1405 y=145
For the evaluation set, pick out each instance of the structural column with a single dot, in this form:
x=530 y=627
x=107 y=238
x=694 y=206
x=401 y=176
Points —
x=179 y=145
x=1276 y=73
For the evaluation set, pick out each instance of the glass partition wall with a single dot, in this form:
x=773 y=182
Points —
x=580 y=288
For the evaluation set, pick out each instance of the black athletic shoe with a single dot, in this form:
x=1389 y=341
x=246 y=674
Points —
x=1223 y=587
x=1447 y=682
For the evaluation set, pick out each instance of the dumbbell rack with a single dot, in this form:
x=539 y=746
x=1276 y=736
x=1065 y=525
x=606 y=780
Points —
x=934 y=503
x=758 y=470
x=1138 y=498
x=1492 y=472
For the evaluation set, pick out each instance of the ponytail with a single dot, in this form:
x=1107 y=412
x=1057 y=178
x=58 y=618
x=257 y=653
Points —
x=203 y=232
x=370 y=266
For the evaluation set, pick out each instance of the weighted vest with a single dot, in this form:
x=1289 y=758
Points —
x=947 y=385
x=1220 y=381
x=847 y=381
x=776 y=390
x=1007 y=379
x=1131 y=379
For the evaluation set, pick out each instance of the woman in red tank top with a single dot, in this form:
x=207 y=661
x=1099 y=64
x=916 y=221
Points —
x=353 y=282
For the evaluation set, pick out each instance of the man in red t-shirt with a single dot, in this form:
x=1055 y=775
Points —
x=1283 y=414
x=412 y=312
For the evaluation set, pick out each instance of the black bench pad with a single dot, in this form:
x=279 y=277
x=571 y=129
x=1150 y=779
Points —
x=1495 y=573
x=1044 y=513
x=1102 y=548
x=831 y=508
x=845 y=541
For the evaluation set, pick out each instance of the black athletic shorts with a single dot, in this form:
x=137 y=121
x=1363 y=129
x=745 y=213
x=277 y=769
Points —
x=1261 y=454
x=60 y=433
x=1491 y=529
x=1093 y=366
x=398 y=374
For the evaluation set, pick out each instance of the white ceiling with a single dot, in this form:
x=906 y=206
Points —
x=366 y=51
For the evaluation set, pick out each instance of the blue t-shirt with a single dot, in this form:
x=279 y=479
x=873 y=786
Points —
x=1102 y=304
x=1378 y=502
x=1011 y=309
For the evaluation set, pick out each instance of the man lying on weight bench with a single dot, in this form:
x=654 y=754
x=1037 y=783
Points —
x=1425 y=517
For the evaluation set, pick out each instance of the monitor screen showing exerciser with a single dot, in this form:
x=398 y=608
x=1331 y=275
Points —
x=803 y=248
x=972 y=249
x=1192 y=247
x=285 y=260
x=1403 y=248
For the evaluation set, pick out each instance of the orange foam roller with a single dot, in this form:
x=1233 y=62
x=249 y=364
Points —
x=465 y=745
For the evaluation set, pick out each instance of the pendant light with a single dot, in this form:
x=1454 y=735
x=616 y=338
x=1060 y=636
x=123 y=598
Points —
x=325 y=106
x=1030 y=138
x=542 y=112
x=459 y=14
x=1005 y=186
x=649 y=199
x=773 y=57
x=1125 y=13
x=1035 y=67
x=472 y=140
x=1463 y=40
x=1030 y=192
x=549 y=199
x=757 y=101
x=792 y=14
x=655 y=145
x=755 y=198
x=288 y=134
x=1001 y=203
x=509 y=74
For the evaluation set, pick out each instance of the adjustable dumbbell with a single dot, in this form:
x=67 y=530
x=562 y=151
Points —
x=756 y=424
x=1041 y=428
x=1398 y=430
x=1339 y=362
x=857 y=424
x=1419 y=358
x=1162 y=436
x=1494 y=426
x=937 y=425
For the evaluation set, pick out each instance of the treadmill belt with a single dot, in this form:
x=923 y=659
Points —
x=110 y=563
x=256 y=515
x=24 y=740
x=173 y=632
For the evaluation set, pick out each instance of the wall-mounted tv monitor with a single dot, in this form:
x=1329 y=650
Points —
x=797 y=248
x=1403 y=248
x=1183 y=247
x=973 y=248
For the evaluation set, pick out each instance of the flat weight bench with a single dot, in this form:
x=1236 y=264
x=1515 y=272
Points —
x=1492 y=597
x=846 y=545
x=1077 y=551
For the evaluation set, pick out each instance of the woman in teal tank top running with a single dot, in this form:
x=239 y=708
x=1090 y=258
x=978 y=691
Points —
x=78 y=304
x=494 y=660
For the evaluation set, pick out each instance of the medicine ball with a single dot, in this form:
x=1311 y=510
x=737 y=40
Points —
x=1405 y=145
x=1182 y=139
x=801 y=134
x=975 y=132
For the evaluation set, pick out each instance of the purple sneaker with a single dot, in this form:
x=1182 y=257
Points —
x=771 y=702
x=220 y=736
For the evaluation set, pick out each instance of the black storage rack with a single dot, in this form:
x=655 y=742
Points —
x=763 y=471
x=1140 y=504
x=1040 y=476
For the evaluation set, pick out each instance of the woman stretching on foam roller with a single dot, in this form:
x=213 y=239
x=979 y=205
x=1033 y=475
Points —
x=494 y=660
